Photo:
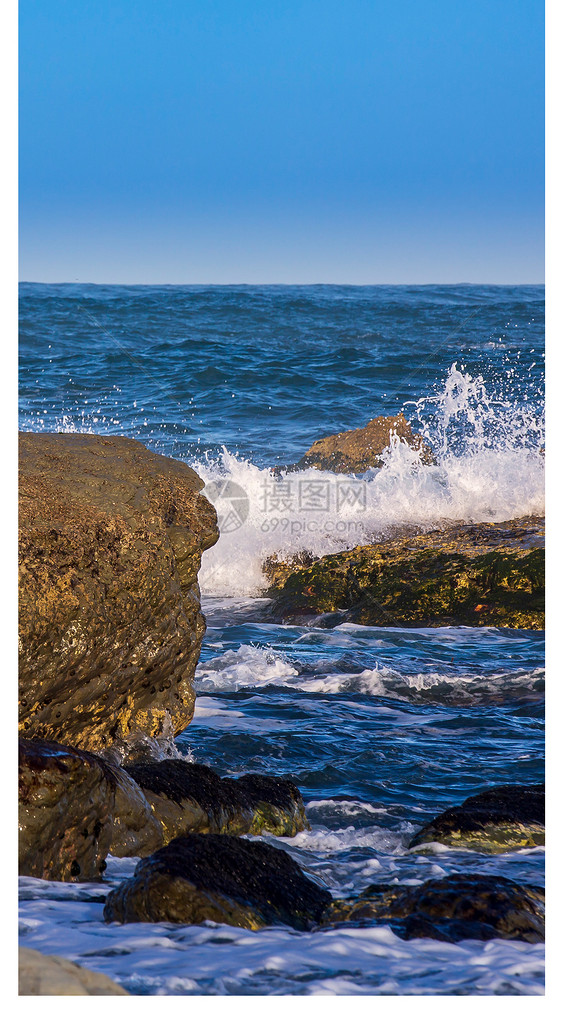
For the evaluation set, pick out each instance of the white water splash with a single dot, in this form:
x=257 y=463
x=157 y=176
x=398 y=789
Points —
x=489 y=466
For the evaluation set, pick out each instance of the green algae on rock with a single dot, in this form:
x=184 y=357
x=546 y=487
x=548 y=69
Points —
x=111 y=537
x=457 y=907
x=360 y=449
x=500 y=819
x=487 y=574
x=189 y=797
x=200 y=877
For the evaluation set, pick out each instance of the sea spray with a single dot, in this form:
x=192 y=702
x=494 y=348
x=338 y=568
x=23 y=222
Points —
x=482 y=448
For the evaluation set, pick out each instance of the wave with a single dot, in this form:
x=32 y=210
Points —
x=488 y=466
x=250 y=666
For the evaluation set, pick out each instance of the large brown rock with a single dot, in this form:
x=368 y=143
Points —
x=111 y=537
x=66 y=808
x=358 y=450
x=488 y=574
x=49 y=975
x=223 y=879
x=192 y=797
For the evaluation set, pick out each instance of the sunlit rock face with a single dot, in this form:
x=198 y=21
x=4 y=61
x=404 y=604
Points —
x=358 y=450
x=111 y=537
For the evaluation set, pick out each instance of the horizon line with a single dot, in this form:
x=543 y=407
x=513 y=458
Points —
x=76 y=281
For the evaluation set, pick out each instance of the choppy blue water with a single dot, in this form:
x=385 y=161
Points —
x=380 y=727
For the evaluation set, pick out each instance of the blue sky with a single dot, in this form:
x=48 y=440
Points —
x=360 y=141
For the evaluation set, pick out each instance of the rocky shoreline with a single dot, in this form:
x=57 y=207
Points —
x=111 y=539
x=488 y=574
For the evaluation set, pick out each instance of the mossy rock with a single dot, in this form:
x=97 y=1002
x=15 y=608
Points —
x=472 y=575
x=110 y=623
x=501 y=819
x=192 y=797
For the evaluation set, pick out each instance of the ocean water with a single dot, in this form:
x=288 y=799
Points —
x=382 y=727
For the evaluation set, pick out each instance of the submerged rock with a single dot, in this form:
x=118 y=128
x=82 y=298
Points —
x=455 y=908
x=66 y=805
x=498 y=820
x=49 y=975
x=358 y=450
x=111 y=537
x=474 y=575
x=201 y=877
x=192 y=797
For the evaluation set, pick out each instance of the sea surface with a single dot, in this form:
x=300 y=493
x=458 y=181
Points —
x=380 y=727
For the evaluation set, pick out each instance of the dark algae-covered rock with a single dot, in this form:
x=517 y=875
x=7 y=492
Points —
x=357 y=450
x=192 y=797
x=74 y=808
x=66 y=804
x=473 y=575
x=458 y=907
x=201 y=877
x=500 y=819
x=251 y=884
x=111 y=537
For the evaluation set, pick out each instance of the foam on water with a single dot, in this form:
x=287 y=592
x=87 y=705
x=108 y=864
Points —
x=482 y=447
x=251 y=666
x=248 y=666
x=177 y=960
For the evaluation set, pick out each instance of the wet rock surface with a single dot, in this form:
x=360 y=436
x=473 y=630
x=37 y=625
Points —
x=192 y=797
x=455 y=908
x=474 y=575
x=66 y=805
x=498 y=820
x=200 y=877
x=49 y=975
x=360 y=449
x=252 y=885
x=111 y=537
x=136 y=830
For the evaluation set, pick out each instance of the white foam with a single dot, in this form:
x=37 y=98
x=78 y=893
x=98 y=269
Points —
x=168 y=959
x=323 y=840
x=250 y=666
x=489 y=467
